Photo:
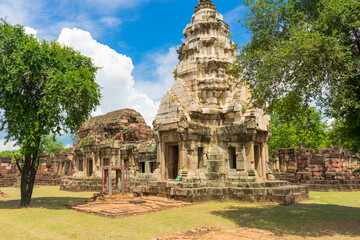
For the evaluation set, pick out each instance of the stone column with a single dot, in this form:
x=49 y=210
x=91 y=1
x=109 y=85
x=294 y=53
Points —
x=263 y=160
x=250 y=156
x=162 y=153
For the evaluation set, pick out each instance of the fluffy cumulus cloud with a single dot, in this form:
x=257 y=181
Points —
x=115 y=77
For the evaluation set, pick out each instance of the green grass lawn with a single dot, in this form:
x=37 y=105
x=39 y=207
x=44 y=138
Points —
x=326 y=216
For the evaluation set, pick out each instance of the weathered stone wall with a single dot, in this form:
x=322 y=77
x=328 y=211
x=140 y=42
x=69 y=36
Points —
x=8 y=172
x=322 y=169
x=46 y=174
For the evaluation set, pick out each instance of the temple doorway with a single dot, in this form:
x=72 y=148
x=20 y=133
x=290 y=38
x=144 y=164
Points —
x=90 y=167
x=172 y=161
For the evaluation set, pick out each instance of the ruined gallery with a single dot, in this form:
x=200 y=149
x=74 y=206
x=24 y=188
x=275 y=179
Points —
x=207 y=142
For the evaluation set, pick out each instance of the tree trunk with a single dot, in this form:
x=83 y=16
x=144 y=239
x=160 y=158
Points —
x=27 y=182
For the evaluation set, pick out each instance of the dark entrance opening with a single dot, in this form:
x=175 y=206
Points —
x=81 y=165
x=232 y=158
x=106 y=162
x=200 y=157
x=172 y=162
x=142 y=167
x=90 y=167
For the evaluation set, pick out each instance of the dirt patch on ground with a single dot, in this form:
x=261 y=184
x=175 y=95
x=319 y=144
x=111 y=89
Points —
x=124 y=206
x=215 y=233
x=3 y=195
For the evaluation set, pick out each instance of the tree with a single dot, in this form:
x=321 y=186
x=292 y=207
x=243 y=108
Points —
x=7 y=153
x=45 y=88
x=338 y=136
x=307 y=130
x=302 y=52
x=49 y=144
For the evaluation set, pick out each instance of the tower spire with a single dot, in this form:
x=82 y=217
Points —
x=205 y=4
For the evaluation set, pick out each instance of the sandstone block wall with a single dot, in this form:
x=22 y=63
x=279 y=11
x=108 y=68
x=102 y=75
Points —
x=322 y=169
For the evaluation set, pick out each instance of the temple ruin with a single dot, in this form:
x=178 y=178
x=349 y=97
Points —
x=208 y=142
x=118 y=139
x=51 y=171
x=321 y=169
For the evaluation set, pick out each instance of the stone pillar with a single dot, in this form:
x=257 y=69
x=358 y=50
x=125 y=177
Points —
x=162 y=154
x=250 y=156
x=241 y=158
x=263 y=160
x=109 y=182
x=147 y=167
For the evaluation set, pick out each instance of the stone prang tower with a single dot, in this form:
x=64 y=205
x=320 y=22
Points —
x=206 y=129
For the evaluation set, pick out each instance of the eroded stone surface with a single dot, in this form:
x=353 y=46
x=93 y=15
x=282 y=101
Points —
x=322 y=169
x=125 y=205
x=121 y=139
x=216 y=233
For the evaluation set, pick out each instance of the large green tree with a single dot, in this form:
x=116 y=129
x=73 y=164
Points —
x=302 y=52
x=308 y=130
x=45 y=88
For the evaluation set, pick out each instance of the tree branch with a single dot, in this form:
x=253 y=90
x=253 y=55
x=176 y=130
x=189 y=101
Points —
x=18 y=164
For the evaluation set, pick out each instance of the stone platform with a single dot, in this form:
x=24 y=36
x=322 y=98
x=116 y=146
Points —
x=270 y=191
x=80 y=185
x=124 y=205
x=215 y=233
x=321 y=184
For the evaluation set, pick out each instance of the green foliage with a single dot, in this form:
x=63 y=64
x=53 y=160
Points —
x=45 y=88
x=7 y=153
x=124 y=128
x=87 y=139
x=49 y=144
x=338 y=136
x=307 y=129
x=302 y=52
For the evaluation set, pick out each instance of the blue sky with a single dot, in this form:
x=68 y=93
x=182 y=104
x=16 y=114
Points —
x=135 y=41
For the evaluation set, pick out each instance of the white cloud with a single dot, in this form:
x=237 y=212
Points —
x=154 y=76
x=234 y=15
x=9 y=146
x=29 y=30
x=110 y=21
x=115 y=76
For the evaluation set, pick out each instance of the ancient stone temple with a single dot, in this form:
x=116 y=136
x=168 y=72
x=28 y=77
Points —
x=205 y=127
x=208 y=142
x=321 y=169
x=208 y=133
x=119 y=139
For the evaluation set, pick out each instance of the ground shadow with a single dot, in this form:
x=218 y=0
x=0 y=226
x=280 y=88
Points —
x=304 y=220
x=56 y=203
